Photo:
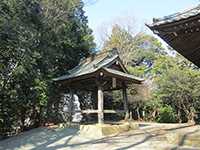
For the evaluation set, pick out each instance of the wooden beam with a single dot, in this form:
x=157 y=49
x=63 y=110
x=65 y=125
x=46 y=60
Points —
x=114 y=111
x=91 y=111
x=100 y=104
x=113 y=89
x=125 y=99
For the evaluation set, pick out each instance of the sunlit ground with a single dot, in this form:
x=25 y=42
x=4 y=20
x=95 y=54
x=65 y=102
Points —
x=149 y=136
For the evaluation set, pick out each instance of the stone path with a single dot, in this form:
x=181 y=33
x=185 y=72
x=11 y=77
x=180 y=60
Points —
x=150 y=136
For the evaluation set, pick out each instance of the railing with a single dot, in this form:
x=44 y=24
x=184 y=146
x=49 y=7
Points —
x=91 y=111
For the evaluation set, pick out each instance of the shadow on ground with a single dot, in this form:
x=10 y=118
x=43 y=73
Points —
x=38 y=139
x=147 y=137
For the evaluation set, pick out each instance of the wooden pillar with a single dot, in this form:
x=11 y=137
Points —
x=95 y=99
x=71 y=102
x=100 y=105
x=125 y=99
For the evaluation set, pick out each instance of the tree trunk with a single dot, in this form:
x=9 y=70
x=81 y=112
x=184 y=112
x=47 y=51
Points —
x=22 y=119
x=179 y=116
x=190 y=116
x=153 y=115
x=138 y=113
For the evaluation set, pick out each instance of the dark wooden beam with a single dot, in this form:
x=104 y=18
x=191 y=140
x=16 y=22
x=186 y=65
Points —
x=113 y=89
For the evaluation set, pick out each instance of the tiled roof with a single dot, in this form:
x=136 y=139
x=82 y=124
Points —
x=122 y=74
x=88 y=65
x=95 y=63
x=177 y=16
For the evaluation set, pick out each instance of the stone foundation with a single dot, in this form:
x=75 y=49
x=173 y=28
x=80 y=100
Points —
x=102 y=130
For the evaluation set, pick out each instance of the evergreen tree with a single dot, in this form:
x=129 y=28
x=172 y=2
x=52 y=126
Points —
x=39 y=40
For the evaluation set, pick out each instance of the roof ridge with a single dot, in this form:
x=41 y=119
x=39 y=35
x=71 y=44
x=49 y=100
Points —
x=189 y=12
x=101 y=53
x=185 y=11
x=114 y=57
x=89 y=60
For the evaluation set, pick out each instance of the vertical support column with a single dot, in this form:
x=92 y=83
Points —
x=100 y=105
x=71 y=102
x=125 y=99
x=95 y=99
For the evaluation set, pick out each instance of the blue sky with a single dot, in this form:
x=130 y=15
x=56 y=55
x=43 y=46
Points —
x=142 y=11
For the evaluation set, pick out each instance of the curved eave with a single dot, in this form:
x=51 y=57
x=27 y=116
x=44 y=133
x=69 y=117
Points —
x=124 y=76
x=183 y=35
x=108 y=72
x=186 y=15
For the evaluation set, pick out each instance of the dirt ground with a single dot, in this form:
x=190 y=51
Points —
x=150 y=136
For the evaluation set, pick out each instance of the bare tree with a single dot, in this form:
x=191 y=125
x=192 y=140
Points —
x=127 y=23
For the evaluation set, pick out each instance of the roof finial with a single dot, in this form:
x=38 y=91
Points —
x=115 y=51
x=155 y=20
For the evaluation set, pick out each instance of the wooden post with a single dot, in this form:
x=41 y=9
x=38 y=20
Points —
x=71 y=102
x=125 y=99
x=95 y=99
x=100 y=105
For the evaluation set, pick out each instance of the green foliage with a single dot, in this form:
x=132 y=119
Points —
x=41 y=92
x=178 y=87
x=122 y=40
x=138 y=52
x=167 y=115
x=39 y=40
x=174 y=81
x=152 y=109
x=137 y=70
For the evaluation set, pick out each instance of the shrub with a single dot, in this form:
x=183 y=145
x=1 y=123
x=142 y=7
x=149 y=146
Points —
x=166 y=115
